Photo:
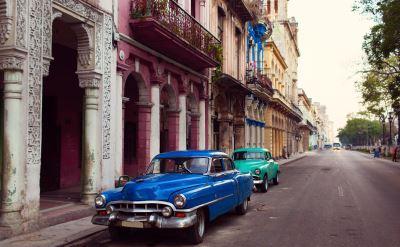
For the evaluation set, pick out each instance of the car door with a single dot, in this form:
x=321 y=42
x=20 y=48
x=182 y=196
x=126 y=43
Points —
x=224 y=189
x=271 y=165
x=231 y=175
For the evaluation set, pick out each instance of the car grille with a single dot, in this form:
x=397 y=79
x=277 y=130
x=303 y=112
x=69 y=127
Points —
x=138 y=208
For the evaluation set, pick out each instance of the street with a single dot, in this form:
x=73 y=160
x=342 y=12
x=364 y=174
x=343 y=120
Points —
x=329 y=198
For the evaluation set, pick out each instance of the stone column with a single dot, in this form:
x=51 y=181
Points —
x=120 y=125
x=143 y=138
x=13 y=166
x=90 y=82
x=262 y=137
x=194 y=140
x=182 y=122
x=202 y=124
x=224 y=135
x=247 y=134
x=155 y=120
x=173 y=129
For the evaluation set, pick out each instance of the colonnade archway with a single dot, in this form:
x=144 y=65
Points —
x=62 y=115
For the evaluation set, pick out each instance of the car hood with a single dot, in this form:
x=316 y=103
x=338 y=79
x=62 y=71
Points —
x=160 y=186
x=245 y=166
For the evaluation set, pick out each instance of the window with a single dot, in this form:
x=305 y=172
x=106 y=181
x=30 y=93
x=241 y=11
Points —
x=221 y=18
x=228 y=165
x=237 y=51
x=244 y=155
x=269 y=7
x=193 y=8
x=268 y=155
x=216 y=166
x=197 y=165
x=276 y=6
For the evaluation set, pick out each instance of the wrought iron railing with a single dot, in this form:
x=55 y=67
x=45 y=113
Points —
x=169 y=14
x=259 y=79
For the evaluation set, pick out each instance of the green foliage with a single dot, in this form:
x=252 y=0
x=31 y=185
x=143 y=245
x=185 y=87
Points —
x=360 y=131
x=380 y=87
x=219 y=56
x=383 y=40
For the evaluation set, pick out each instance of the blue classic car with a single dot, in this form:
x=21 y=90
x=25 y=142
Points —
x=181 y=189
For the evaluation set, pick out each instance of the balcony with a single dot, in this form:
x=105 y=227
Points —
x=167 y=28
x=260 y=84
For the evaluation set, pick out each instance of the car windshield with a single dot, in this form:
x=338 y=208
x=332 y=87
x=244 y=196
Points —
x=336 y=145
x=244 y=155
x=197 y=165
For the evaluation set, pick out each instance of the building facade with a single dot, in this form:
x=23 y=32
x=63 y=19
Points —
x=283 y=116
x=237 y=91
x=308 y=126
x=57 y=62
x=163 y=77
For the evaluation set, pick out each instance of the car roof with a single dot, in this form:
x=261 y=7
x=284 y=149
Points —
x=251 y=149
x=191 y=153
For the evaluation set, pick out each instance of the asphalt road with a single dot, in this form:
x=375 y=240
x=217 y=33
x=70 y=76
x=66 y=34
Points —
x=330 y=198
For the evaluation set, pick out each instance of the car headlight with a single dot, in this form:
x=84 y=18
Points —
x=100 y=201
x=180 y=201
x=257 y=171
x=166 y=211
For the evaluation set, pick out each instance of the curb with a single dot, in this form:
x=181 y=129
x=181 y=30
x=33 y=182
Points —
x=293 y=160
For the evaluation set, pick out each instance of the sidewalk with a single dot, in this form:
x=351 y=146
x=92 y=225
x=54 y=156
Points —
x=54 y=236
x=294 y=158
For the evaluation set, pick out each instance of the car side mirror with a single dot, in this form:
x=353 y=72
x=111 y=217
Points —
x=122 y=180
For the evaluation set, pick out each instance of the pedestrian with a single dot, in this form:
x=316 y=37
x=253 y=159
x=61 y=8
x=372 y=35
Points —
x=284 y=152
x=394 y=159
x=376 y=152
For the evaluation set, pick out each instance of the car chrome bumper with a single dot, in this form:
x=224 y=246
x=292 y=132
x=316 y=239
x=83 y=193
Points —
x=257 y=181
x=152 y=221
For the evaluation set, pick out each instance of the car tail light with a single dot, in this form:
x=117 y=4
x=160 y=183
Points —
x=103 y=212
x=180 y=215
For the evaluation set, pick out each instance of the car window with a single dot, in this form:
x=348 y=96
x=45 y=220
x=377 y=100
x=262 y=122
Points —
x=216 y=166
x=246 y=155
x=269 y=156
x=228 y=165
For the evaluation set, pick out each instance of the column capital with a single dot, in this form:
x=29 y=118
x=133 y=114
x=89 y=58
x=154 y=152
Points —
x=157 y=79
x=89 y=79
x=11 y=63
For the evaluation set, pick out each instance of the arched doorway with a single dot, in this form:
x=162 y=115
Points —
x=131 y=96
x=169 y=120
x=62 y=116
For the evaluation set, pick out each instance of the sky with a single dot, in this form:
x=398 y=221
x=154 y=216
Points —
x=330 y=41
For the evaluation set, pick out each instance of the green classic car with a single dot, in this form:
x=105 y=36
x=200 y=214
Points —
x=258 y=162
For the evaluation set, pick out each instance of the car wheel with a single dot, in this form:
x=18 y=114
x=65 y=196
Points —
x=276 y=179
x=118 y=233
x=242 y=208
x=196 y=232
x=264 y=185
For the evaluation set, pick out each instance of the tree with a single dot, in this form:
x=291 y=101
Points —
x=380 y=86
x=360 y=131
x=383 y=40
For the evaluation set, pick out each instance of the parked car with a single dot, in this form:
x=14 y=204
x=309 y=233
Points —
x=181 y=189
x=259 y=163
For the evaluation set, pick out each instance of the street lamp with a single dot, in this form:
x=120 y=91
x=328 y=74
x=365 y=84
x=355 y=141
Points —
x=382 y=118
x=390 y=128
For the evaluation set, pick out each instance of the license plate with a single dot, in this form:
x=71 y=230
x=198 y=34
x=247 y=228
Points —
x=132 y=224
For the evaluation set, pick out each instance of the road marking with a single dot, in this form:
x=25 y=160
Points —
x=340 y=190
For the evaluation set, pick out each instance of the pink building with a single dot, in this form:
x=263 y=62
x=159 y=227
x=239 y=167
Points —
x=164 y=56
